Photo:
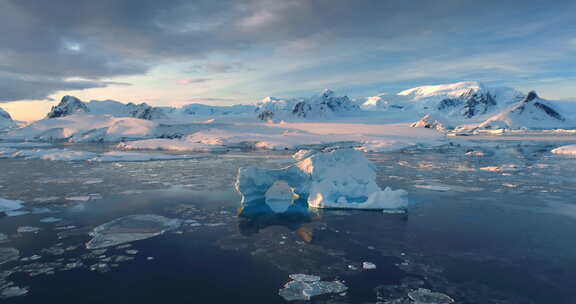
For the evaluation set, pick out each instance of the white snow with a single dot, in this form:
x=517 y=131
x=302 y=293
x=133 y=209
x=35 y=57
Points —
x=85 y=128
x=565 y=150
x=343 y=178
x=71 y=155
x=6 y=121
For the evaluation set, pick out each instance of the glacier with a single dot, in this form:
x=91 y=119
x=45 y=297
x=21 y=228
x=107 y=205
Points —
x=342 y=178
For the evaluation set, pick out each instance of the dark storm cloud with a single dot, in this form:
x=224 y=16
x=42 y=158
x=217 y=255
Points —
x=106 y=38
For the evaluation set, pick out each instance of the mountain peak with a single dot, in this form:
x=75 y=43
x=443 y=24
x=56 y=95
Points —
x=531 y=96
x=68 y=105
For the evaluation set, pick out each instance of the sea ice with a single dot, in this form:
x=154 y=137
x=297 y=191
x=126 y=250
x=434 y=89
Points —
x=13 y=291
x=26 y=229
x=9 y=205
x=71 y=155
x=565 y=150
x=342 y=178
x=130 y=228
x=303 y=287
x=50 y=220
x=8 y=254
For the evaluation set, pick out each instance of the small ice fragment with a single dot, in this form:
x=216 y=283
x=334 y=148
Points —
x=475 y=153
x=93 y=181
x=26 y=229
x=50 y=220
x=433 y=187
x=79 y=198
x=368 y=265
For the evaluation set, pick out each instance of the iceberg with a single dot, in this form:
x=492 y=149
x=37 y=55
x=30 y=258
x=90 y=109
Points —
x=342 y=178
x=130 y=228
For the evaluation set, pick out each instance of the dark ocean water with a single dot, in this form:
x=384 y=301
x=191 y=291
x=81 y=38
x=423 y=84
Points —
x=487 y=237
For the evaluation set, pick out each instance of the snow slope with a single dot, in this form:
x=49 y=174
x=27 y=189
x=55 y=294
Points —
x=6 y=121
x=85 y=128
x=532 y=112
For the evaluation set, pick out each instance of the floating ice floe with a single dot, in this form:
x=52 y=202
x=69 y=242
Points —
x=303 y=287
x=9 y=205
x=130 y=228
x=27 y=229
x=342 y=178
x=565 y=150
x=426 y=296
x=13 y=291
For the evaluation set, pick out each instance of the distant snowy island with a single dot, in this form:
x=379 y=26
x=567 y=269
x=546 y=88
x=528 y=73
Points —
x=421 y=115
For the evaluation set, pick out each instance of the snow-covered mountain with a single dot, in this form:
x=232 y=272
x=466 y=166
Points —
x=325 y=105
x=68 y=105
x=461 y=100
x=208 y=110
x=532 y=112
x=6 y=121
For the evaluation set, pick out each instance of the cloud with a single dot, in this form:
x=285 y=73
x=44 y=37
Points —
x=53 y=41
x=218 y=67
x=186 y=81
x=14 y=88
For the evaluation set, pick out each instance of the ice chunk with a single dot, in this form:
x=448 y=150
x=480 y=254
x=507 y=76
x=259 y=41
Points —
x=27 y=229
x=433 y=187
x=50 y=220
x=130 y=228
x=9 y=205
x=425 y=296
x=303 y=287
x=342 y=178
x=368 y=265
x=8 y=254
x=565 y=150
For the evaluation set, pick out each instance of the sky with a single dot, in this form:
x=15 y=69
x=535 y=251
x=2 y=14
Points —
x=175 y=52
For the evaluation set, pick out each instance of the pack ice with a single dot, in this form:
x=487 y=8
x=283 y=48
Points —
x=342 y=178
